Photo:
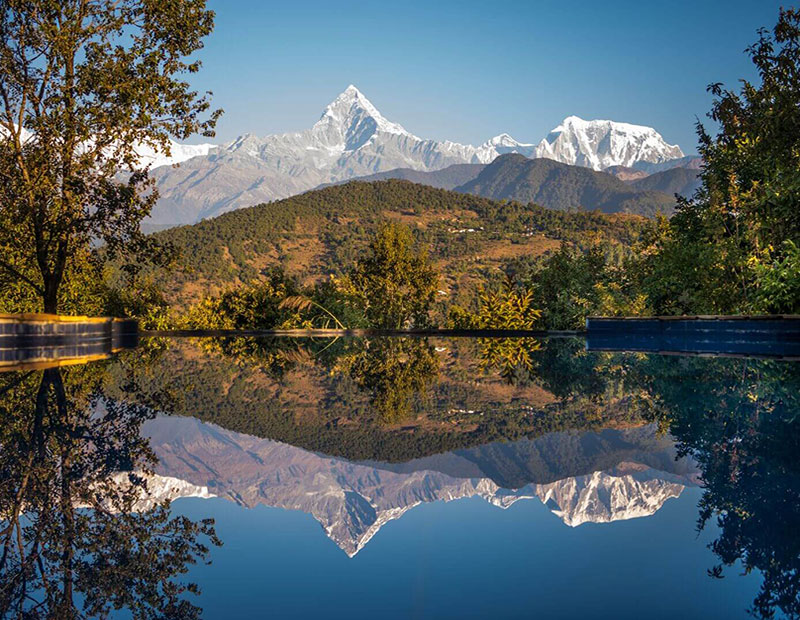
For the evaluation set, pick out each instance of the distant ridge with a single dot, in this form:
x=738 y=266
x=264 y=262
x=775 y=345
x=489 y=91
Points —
x=446 y=178
x=563 y=187
x=681 y=181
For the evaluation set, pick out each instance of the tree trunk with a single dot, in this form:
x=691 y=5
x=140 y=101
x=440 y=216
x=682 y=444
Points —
x=51 y=295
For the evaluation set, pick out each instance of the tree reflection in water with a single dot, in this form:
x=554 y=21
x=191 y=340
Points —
x=396 y=372
x=740 y=420
x=78 y=538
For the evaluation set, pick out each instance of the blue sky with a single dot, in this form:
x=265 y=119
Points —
x=466 y=71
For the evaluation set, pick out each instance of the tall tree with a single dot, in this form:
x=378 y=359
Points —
x=85 y=87
x=392 y=283
x=731 y=247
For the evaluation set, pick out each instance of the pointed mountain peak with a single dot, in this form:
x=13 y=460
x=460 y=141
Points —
x=352 y=112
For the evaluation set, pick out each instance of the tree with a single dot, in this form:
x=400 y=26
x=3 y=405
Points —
x=80 y=533
x=392 y=284
x=86 y=87
x=396 y=372
x=746 y=208
x=259 y=305
x=566 y=286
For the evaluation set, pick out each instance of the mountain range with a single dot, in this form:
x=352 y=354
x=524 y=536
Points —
x=353 y=500
x=353 y=139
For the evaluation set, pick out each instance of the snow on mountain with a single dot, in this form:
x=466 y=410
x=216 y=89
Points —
x=149 y=156
x=502 y=144
x=157 y=489
x=603 y=497
x=353 y=139
x=601 y=144
x=352 y=501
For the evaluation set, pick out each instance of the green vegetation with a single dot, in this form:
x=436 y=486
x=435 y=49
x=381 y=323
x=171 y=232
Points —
x=393 y=285
x=323 y=232
x=82 y=86
x=731 y=248
x=334 y=245
x=257 y=306
x=506 y=308
x=393 y=253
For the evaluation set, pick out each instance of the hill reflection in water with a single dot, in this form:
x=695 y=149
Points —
x=357 y=432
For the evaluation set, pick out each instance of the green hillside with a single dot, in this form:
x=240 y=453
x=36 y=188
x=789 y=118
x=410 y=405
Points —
x=563 y=187
x=321 y=232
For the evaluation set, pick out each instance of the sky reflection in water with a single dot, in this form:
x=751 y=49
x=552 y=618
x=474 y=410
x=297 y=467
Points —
x=581 y=481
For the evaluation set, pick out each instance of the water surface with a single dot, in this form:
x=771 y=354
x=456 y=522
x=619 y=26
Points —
x=401 y=477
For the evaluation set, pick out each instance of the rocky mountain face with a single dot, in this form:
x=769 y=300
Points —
x=601 y=144
x=352 y=139
x=352 y=501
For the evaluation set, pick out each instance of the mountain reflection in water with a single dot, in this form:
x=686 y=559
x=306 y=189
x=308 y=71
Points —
x=357 y=432
x=353 y=500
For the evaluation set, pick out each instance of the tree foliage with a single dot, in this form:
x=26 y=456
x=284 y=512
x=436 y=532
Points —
x=721 y=245
x=85 y=86
x=256 y=306
x=392 y=283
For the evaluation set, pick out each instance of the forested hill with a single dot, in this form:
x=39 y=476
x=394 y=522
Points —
x=560 y=186
x=321 y=232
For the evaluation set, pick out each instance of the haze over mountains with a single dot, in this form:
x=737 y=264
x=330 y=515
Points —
x=353 y=139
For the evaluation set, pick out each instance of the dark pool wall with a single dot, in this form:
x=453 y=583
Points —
x=777 y=336
x=42 y=337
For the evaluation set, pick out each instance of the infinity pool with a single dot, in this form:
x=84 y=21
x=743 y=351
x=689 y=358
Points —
x=400 y=478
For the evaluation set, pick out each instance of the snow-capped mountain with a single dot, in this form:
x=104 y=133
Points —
x=148 y=156
x=602 y=144
x=352 y=501
x=352 y=139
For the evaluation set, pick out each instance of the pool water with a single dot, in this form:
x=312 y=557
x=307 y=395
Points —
x=400 y=478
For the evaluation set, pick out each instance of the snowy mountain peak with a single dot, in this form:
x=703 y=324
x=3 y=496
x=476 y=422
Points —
x=599 y=144
x=351 y=120
x=352 y=139
x=505 y=140
x=153 y=157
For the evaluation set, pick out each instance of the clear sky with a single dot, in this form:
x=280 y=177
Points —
x=468 y=70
